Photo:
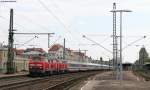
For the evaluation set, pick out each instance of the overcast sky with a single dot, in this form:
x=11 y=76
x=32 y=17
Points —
x=71 y=19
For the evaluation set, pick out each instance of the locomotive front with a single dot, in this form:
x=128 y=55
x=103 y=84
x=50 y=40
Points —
x=38 y=65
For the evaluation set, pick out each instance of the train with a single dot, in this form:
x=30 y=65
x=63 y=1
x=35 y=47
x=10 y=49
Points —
x=41 y=66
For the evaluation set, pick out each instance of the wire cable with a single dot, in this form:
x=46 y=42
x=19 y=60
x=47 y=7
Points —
x=15 y=23
x=58 y=19
x=28 y=41
x=134 y=42
x=56 y=40
x=50 y=11
x=37 y=24
x=97 y=44
x=105 y=39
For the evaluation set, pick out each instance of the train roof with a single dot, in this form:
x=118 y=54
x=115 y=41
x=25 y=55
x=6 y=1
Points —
x=86 y=63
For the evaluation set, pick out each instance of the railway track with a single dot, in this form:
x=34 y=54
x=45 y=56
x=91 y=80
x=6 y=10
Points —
x=55 y=82
x=10 y=81
x=143 y=73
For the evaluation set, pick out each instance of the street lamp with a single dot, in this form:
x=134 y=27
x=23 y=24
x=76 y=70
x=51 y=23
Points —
x=121 y=11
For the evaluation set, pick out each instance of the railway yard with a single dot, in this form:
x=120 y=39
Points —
x=95 y=80
x=71 y=45
x=54 y=82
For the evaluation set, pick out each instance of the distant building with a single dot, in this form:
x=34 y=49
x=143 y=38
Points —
x=29 y=52
x=80 y=56
x=3 y=58
x=19 y=62
x=19 y=52
x=56 y=52
x=3 y=53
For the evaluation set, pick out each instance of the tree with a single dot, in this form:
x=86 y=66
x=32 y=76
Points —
x=147 y=61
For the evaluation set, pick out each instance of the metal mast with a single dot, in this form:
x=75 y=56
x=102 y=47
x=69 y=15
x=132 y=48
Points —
x=10 y=66
x=119 y=63
x=114 y=39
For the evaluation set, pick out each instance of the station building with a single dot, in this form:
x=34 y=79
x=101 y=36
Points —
x=20 y=63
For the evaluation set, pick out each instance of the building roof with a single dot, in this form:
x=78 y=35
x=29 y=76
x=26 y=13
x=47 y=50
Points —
x=55 y=47
x=19 y=51
x=79 y=53
x=34 y=49
x=3 y=49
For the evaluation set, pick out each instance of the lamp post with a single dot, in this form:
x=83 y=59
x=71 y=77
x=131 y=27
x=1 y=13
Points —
x=120 y=64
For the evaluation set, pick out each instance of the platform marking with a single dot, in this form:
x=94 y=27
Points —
x=84 y=85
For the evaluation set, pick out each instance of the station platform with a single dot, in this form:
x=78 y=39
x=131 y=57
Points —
x=107 y=81
x=3 y=75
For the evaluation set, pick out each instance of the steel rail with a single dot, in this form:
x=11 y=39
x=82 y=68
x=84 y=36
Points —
x=46 y=82
x=65 y=85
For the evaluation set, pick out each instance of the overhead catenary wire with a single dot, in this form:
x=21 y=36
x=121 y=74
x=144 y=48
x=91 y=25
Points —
x=15 y=22
x=105 y=39
x=18 y=25
x=28 y=41
x=97 y=44
x=134 y=42
x=59 y=20
x=31 y=21
x=56 y=6
x=98 y=35
x=50 y=11
x=84 y=44
x=22 y=33
x=56 y=40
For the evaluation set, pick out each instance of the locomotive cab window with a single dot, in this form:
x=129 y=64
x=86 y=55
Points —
x=39 y=59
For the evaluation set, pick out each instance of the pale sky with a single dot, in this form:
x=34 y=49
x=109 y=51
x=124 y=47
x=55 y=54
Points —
x=71 y=19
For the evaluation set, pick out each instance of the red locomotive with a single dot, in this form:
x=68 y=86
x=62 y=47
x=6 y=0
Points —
x=40 y=65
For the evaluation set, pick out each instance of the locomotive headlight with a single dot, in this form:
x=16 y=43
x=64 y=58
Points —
x=39 y=65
